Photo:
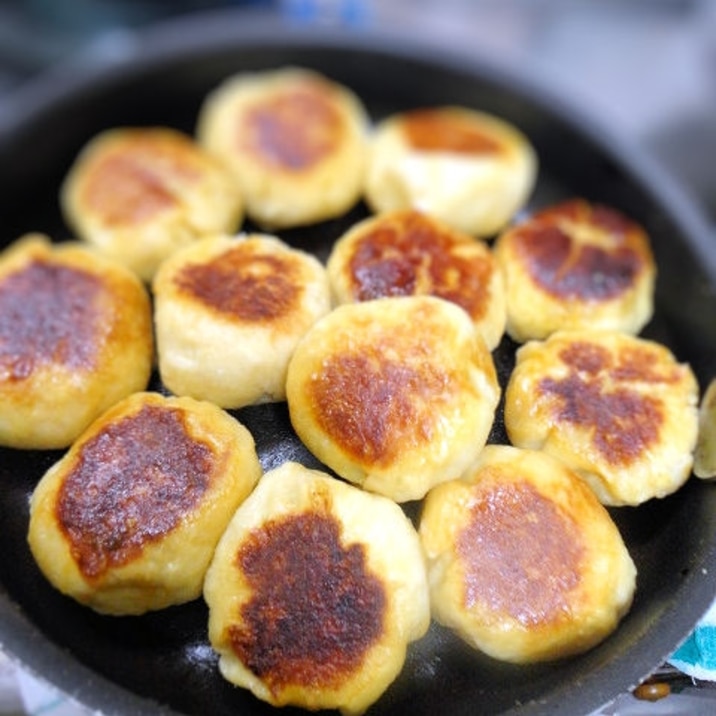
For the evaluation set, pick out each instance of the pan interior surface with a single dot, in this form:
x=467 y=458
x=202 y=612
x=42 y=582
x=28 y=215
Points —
x=163 y=661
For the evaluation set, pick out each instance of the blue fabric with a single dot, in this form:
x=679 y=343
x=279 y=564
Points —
x=696 y=657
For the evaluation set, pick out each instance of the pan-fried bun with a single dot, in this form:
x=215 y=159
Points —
x=140 y=193
x=315 y=591
x=705 y=451
x=127 y=521
x=395 y=394
x=470 y=169
x=619 y=410
x=75 y=337
x=524 y=563
x=407 y=253
x=576 y=265
x=294 y=140
x=229 y=312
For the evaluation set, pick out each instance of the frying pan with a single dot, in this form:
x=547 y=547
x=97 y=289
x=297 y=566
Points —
x=161 y=662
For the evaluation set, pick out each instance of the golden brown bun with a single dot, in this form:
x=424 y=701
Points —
x=127 y=521
x=523 y=562
x=229 y=312
x=294 y=140
x=395 y=394
x=467 y=168
x=306 y=605
x=705 y=452
x=140 y=193
x=75 y=337
x=576 y=265
x=408 y=253
x=619 y=410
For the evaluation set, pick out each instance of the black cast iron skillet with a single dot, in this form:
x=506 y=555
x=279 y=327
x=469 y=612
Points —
x=162 y=662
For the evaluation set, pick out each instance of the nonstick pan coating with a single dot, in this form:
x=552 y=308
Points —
x=162 y=662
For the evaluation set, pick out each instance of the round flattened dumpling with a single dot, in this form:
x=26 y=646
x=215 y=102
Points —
x=75 y=337
x=306 y=605
x=470 y=169
x=294 y=140
x=619 y=410
x=395 y=394
x=408 y=253
x=128 y=520
x=138 y=194
x=576 y=266
x=229 y=312
x=524 y=563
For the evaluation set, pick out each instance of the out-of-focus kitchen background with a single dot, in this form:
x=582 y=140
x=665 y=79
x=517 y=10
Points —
x=646 y=68
x=643 y=68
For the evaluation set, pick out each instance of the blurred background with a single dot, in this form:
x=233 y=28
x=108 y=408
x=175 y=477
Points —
x=646 y=68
